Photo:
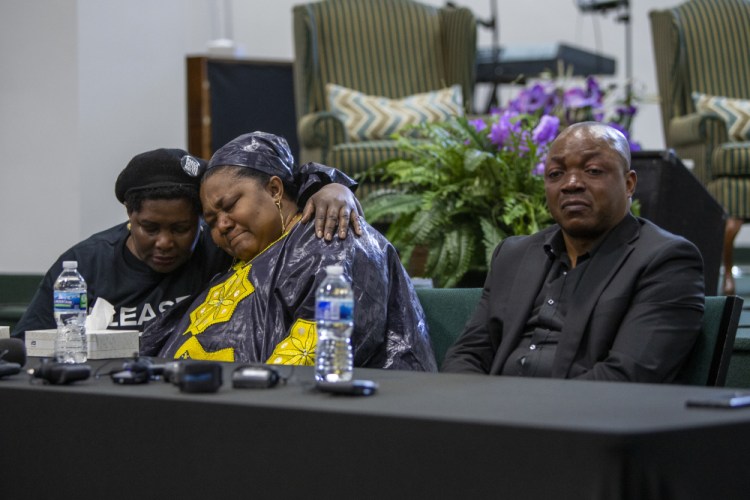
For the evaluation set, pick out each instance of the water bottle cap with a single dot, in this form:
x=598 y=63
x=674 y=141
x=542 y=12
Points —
x=335 y=270
x=70 y=264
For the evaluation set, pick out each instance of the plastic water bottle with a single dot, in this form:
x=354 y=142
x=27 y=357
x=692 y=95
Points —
x=70 y=305
x=334 y=315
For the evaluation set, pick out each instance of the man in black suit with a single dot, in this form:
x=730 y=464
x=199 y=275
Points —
x=601 y=295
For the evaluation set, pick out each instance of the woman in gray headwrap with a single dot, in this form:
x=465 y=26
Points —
x=262 y=310
x=163 y=253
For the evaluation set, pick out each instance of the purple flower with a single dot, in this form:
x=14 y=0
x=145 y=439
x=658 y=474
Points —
x=584 y=103
x=499 y=133
x=501 y=130
x=620 y=128
x=576 y=98
x=478 y=124
x=634 y=146
x=539 y=111
x=523 y=143
x=546 y=130
x=626 y=111
x=530 y=100
x=553 y=101
x=539 y=169
x=593 y=89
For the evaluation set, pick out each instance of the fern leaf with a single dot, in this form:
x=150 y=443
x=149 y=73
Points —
x=389 y=203
x=492 y=235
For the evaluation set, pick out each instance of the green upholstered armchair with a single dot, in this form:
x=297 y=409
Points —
x=16 y=292
x=703 y=46
x=385 y=48
x=708 y=363
x=446 y=312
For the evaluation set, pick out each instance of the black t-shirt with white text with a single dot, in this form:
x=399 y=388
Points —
x=137 y=292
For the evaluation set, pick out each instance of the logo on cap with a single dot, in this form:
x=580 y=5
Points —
x=190 y=165
x=253 y=146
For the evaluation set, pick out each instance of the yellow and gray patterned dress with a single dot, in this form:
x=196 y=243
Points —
x=263 y=310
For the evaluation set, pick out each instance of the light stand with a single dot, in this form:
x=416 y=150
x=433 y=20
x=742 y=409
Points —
x=624 y=17
x=602 y=6
x=492 y=24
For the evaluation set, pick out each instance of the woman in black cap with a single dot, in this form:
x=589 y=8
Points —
x=262 y=309
x=163 y=254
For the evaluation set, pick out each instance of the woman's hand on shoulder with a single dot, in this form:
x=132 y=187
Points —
x=333 y=206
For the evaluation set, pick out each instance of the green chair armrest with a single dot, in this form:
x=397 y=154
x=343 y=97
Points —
x=446 y=312
x=12 y=312
x=688 y=130
x=320 y=130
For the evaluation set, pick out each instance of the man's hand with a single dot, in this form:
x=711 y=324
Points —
x=333 y=205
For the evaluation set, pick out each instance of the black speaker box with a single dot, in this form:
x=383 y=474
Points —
x=230 y=97
x=674 y=199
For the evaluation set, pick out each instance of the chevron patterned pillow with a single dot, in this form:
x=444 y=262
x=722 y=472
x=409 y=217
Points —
x=369 y=118
x=735 y=112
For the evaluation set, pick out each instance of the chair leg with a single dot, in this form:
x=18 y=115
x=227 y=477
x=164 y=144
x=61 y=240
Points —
x=731 y=229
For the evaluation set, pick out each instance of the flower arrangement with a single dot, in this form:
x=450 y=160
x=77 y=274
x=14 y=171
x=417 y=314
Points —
x=573 y=103
x=464 y=185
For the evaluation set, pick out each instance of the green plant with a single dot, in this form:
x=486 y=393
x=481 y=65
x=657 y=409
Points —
x=463 y=186
x=459 y=191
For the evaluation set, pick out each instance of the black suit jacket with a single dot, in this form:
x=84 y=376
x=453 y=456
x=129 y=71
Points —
x=635 y=314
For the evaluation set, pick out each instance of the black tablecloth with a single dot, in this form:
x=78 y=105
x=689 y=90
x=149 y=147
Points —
x=422 y=435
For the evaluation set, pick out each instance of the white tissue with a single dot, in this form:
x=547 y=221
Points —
x=101 y=315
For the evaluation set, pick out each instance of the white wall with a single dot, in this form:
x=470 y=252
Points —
x=38 y=131
x=87 y=84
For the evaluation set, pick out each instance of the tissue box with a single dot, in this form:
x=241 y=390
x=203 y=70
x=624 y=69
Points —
x=102 y=344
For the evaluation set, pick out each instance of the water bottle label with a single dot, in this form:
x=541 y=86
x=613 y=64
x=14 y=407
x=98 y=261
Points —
x=334 y=310
x=346 y=309
x=70 y=301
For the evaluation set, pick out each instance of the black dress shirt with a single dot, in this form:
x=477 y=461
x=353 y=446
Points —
x=536 y=350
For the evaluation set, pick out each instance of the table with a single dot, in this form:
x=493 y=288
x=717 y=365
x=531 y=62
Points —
x=422 y=436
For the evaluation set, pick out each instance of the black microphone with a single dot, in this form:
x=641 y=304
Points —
x=61 y=373
x=137 y=371
x=9 y=368
x=194 y=375
x=13 y=351
x=12 y=356
x=169 y=371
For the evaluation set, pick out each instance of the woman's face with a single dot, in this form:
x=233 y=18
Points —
x=162 y=233
x=241 y=213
